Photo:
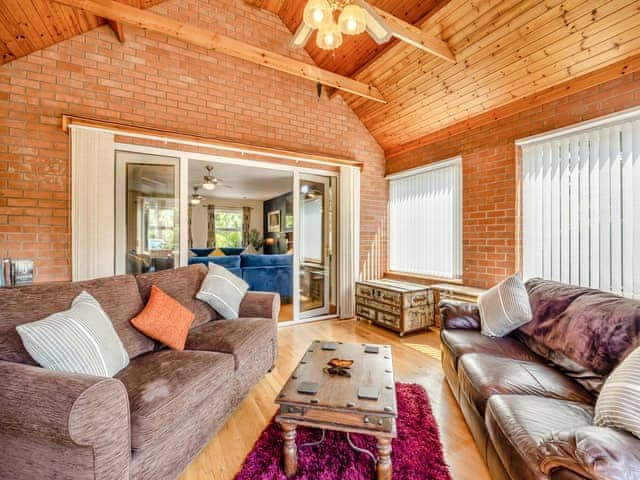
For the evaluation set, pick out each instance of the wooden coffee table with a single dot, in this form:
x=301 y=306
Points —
x=336 y=405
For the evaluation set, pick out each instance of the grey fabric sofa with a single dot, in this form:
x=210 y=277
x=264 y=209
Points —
x=152 y=418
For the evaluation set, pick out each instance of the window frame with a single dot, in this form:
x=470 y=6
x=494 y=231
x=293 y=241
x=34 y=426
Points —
x=584 y=128
x=458 y=230
x=232 y=210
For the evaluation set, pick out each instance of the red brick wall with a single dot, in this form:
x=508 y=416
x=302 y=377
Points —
x=490 y=178
x=154 y=81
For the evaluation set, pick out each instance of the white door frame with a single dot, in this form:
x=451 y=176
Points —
x=183 y=162
x=326 y=244
x=121 y=196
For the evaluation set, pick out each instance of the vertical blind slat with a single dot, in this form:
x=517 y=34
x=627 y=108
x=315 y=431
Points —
x=581 y=253
x=581 y=208
x=635 y=155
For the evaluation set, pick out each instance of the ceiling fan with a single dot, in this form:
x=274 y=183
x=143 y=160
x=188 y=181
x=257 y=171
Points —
x=210 y=181
x=355 y=17
x=196 y=198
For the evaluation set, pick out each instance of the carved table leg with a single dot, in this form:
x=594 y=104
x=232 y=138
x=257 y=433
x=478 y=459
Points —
x=384 y=458
x=289 y=449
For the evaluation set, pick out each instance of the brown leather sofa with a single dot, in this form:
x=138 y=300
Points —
x=152 y=418
x=528 y=398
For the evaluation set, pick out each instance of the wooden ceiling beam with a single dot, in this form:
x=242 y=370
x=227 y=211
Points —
x=117 y=28
x=118 y=12
x=414 y=36
x=382 y=53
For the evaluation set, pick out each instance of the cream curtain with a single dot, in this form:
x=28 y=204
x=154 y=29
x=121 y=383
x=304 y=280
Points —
x=92 y=200
x=246 y=225
x=211 y=226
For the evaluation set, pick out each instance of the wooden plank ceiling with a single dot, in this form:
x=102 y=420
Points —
x=505 y=50
x=30 y=25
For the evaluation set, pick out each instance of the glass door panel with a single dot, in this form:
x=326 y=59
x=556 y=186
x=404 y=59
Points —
x=147 y=213
x=315 y=245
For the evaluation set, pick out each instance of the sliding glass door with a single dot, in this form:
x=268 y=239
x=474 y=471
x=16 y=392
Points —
x=147 y=212
x=316 y=245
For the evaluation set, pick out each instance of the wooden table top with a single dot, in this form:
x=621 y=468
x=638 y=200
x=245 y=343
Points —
x=338 y=393
x=395 y=285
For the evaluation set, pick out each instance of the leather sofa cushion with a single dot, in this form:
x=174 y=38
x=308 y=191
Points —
x=244 y=338
x=481 y=376
x=118 y=297
x=585 y=332
x=517 y=424
x=166 y=386
x=459 y=342
x=181 y=284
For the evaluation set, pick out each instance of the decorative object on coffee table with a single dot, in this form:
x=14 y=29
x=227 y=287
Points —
x=399 y=306
x=417 y=451
x=337 y=404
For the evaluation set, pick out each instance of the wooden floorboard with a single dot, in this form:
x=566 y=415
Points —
x=416 y=359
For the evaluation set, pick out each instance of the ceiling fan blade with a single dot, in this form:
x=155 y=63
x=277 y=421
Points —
x=301 y=37
x=376 y=26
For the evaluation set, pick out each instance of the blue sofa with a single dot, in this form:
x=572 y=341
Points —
x=263 y=273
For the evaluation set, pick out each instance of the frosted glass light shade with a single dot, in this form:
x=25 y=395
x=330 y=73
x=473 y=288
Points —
x=316 y=13
x=352 y=20
x=329 y=37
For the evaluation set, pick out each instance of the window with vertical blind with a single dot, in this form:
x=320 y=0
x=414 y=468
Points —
x=581 y=204
x=425 y=231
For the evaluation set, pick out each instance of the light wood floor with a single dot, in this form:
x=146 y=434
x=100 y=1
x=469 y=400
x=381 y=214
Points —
x=416 y=359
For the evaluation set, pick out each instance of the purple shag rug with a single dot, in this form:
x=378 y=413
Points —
x=417 y=451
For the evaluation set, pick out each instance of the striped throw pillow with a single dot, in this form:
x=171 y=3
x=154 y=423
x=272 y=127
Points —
x=618 y=404
x=504 y=307
x=79 y=340
x=223 y=290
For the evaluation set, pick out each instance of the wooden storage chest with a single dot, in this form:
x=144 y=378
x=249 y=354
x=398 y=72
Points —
x=399 y=306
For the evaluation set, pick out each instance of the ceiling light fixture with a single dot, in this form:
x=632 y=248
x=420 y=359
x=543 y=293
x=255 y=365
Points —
x=210 y=181
x=196 y=198
x=355 y=17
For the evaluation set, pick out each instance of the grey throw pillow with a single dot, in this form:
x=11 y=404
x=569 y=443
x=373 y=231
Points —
x=504 y=307
x=223 y=290
x=79 y=340
x=618 y=404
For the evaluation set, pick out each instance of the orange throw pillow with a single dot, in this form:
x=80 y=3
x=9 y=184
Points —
x=164 y=319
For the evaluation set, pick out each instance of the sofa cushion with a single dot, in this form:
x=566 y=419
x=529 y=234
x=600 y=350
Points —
x=480 y=376
x=164 y=319
x=183 y=285
x=79 y=340
x=165 y=387
x=517 y=424
x=459 y=342
x=504 y=307
x=585 y=332
x=223 y=291
x=618 y=404
x=118 y=296
x=278 y=260
x=244 y=338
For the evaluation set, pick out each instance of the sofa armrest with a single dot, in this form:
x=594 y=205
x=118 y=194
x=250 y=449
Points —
x=594 y=452
x=455 y=314
x=260 y=305
x=62 y=425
